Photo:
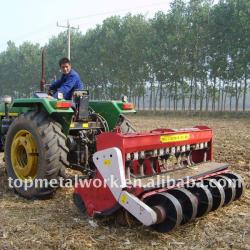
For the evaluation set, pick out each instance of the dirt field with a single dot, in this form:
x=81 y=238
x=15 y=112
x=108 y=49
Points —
x=57 y=224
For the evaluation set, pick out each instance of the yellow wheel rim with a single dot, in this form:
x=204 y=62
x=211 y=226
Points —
x=24 y=155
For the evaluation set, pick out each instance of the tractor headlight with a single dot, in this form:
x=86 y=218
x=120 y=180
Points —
x=6 y=99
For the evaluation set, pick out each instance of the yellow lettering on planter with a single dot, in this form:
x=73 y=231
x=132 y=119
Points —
x=174 y=138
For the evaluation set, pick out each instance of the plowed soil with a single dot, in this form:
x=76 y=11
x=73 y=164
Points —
x=57 y=224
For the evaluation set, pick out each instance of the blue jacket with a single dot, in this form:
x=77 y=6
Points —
x=67 y=84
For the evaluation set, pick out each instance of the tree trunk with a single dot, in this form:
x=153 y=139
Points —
x=174 y=96
x=245 y=92
x=202 y=94
x=138 y=102
x=222 y=96
x=111 y=92
x=183 y=103
x=151 y=96
x=238 y=94
x=143 y=101
x=155 y=98
x=191 y=96
x=183 y=96
x=214 y=93
x=225 y=101
x=130 y=93
x=207 y=95
x=165 y=101
x=169 y=101
x=218 y=104
x=160 y=101
x=230 y=103
x=195 y=94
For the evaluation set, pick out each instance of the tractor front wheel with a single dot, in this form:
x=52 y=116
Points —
x=35 y=153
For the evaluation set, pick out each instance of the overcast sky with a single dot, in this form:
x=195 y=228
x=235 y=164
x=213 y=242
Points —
x=35 y=20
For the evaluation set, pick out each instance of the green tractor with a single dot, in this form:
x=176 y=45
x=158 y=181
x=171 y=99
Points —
x=42 y=136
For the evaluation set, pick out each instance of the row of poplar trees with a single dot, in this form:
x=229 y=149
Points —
x=194 y=57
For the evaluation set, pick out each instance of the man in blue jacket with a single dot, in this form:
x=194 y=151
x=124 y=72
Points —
x=69 y=81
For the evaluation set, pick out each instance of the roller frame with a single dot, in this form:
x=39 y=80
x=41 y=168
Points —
x=109 y=162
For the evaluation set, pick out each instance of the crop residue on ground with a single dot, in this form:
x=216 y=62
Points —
x=57 y=224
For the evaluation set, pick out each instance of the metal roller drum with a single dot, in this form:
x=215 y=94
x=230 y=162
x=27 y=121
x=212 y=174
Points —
x=238 y=183
x=168 y=209
x=229 y=188
x=188 y=202
x=204 y=197
x=217 y=192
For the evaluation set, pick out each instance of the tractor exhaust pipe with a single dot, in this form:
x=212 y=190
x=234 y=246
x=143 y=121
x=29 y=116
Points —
x=43 y=80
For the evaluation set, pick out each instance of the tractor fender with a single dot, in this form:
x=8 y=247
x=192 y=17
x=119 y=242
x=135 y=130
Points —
x=60 y=114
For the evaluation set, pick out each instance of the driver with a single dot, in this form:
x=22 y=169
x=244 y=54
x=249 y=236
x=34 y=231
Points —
x=69 y=81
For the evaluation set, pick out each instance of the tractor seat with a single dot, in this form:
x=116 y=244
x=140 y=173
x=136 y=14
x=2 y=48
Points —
x=80 y=100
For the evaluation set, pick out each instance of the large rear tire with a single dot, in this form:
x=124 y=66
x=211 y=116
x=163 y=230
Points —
x=35 y=150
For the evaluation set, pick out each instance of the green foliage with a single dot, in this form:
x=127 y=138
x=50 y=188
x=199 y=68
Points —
x=197 y=52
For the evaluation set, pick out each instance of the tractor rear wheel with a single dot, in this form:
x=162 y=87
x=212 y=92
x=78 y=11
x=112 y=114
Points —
x=35 y=154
